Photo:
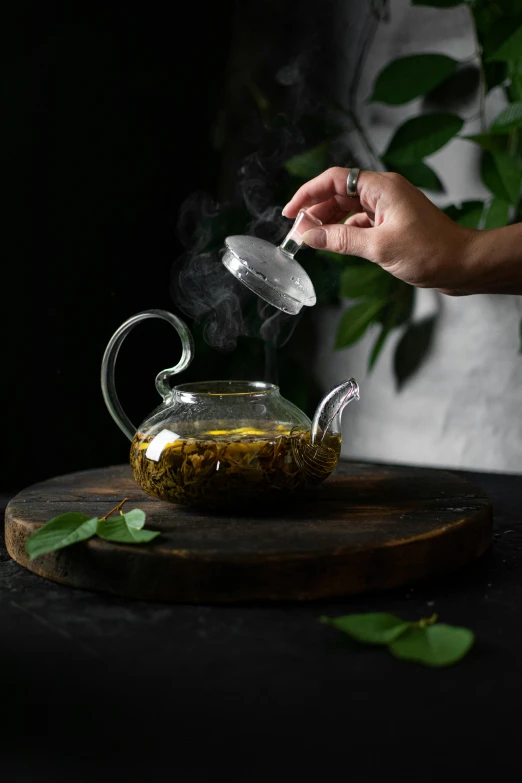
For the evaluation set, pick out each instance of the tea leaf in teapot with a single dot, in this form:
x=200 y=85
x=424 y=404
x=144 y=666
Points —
x=126 y=529
x=60 y=532
x=372 y=628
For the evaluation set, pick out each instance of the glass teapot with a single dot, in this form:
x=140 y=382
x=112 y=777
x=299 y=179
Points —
x=222 y=443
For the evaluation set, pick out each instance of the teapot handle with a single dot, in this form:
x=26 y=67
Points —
x=108 y=383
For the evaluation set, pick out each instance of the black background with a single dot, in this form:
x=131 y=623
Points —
x=107 y=129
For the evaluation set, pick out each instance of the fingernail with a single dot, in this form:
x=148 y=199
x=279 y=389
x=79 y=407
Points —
x=315 y=237
x=283 y=211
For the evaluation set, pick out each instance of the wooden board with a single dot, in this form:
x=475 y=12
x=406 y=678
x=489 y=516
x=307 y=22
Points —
x=366 y=528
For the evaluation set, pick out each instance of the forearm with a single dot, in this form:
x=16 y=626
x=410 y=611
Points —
x=495 y=261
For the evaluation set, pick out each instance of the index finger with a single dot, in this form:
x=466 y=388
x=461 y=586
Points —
x=331 y=182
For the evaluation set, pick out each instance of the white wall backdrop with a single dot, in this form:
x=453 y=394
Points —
x=463 y=409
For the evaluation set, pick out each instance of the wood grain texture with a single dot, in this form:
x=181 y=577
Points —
x=366 y=528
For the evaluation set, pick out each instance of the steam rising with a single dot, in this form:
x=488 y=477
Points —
x=202 y=287
x=206 y=291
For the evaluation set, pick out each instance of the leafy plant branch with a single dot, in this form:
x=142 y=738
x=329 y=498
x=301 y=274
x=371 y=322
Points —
x=497 y=30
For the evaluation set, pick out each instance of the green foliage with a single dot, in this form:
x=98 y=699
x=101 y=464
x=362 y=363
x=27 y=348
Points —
x=413 y=346
x=374 y=628
x=421 y=175
x=59 y=532
x=356 y=320
x=436 y=645
x=509 y=118
x=468 y=214
x=421 y=136
x=443 y=82
x=425 y=641
x=497 y=214
x=72 y=527
x=502 y=176
x=407 y=78
x=310 y=163
x=492 y=142
x=510 y=49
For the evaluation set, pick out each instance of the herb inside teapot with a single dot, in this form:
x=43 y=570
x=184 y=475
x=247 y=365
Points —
x=231 y=466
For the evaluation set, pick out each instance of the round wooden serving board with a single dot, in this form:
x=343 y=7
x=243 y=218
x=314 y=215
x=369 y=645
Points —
x=366 y=528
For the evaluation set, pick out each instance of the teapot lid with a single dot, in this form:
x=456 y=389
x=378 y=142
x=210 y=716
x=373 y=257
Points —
x=271 y=271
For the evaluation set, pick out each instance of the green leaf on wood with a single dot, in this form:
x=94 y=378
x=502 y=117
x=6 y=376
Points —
x=412 y=349
x=120 y=530
x=493 y=142
x=356 y=320
x=509 y=118
x=436 y=645
x=372 y=628
x=60 y=532
x=497 y=215
x=409 y=77
x=368 y=280
x=421 y=136
x=135 y=518
x=308 y=164
x=421 y=175
x=511 y=49
x=502 y=175
x=468 y=214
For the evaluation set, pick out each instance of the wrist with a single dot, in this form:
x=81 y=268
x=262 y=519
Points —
x=494 y=261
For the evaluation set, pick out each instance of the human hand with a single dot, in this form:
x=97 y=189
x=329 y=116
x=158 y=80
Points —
x=395 y=226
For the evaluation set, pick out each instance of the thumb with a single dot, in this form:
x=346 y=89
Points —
x=339 y=238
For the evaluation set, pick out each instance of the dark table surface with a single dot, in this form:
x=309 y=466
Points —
x=96 y=686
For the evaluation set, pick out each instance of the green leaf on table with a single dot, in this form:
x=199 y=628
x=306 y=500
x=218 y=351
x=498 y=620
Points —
x=309 y=164
x=368 y=280
x=493 y=142
x=356 y=320
x=509 y=118
x=60 y=532
x=438 y=3
x=497 y=215
x=468 y=214
x=372 y=628
x=510 y=49
x=434 y=645
x=502 y=174
x=409 y=77
x=124 y=531
x=421 y=136
x=135 y=518
x=412 y=349
x=420 y=175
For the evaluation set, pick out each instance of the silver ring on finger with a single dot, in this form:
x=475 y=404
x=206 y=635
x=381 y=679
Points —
x=351 y=183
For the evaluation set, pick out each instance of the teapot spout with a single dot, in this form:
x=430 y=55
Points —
x=327 y=418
